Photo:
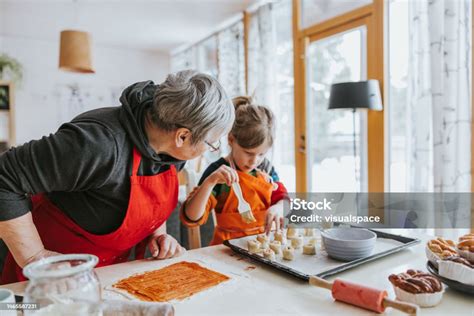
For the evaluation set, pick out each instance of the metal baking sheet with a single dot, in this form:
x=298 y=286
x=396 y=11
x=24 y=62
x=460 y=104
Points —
x=320 y=264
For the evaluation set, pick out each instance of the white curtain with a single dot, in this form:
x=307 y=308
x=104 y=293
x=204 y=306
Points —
x=439 y=96
x=262 y=79
x=230 y=55
x=206 y=53
x=183 y=60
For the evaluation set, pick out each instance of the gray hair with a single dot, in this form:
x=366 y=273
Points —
x=192 y=100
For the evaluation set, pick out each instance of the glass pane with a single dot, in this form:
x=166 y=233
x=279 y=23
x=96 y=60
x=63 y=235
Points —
x=4 y=127
x=230 y=50
x=183 y=60
x=284 y=147
x=397 y=94
x=316 y=11
x=207 y=56
x=333 y=163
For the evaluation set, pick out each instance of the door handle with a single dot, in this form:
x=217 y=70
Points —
x=302 y=145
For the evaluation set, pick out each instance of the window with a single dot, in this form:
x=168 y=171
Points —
x=284 y=148
x=397 y=97
x=207 y=56
x=333 y=163
x=317 y=11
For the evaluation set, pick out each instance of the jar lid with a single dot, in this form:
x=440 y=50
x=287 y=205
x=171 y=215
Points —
x=60 y=266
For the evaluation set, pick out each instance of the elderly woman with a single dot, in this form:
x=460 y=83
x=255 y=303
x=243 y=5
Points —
x=107 y=181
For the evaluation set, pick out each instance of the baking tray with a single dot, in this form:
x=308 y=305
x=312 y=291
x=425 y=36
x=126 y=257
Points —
x=320 y=264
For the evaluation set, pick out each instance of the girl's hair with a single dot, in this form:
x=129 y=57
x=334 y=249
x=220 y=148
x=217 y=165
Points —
x=253 y=125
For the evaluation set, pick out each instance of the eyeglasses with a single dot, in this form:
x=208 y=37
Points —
x=214 y=147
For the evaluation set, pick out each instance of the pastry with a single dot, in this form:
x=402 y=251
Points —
x=279 y=236
x=177 y=281
x=309 y=232
x=465 y=247
x=288 y=253
x=264 y=245
x=297 y=242
x=309 y=249
x=254 y=246
x=466 y=237
x=437 y=249
x=417 y=287
x=458 y=269
x=269 y=254
x=313 y=241
x=263 y=238
x=276 y=247
x=467 y=244
x=291 y=232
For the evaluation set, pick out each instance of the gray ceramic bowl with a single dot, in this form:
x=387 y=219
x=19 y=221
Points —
x=348 y=244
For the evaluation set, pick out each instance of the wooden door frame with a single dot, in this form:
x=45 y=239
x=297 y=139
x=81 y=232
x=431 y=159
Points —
x=372 y=16
x=11 y=112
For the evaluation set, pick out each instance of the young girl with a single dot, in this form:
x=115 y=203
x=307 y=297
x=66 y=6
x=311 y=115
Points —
x=250 y=139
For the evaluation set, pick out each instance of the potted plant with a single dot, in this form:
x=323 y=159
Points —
x=10 y=66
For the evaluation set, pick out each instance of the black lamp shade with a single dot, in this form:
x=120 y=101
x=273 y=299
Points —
x=356 y=95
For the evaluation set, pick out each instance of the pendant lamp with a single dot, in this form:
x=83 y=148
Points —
x=75 y=52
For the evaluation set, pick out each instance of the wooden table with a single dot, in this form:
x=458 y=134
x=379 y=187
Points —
x=256 y=289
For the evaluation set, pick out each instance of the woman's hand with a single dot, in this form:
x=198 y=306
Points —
x=164 y=246
x=23 y=240
x=223 y=174
x=40 y=255
x=274 y=215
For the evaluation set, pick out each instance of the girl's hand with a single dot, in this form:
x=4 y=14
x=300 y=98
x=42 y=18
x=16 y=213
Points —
x=274 y=215
x=224 y=174
x=164 y=246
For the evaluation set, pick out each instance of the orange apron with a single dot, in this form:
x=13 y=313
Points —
x=257 y=191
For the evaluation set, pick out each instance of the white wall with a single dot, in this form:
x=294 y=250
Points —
x=45 y=99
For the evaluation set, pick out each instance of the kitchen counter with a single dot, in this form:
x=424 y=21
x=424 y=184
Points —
x=255 y=289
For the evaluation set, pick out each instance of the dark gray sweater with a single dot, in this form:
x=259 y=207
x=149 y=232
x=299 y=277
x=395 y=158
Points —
x=84 y=168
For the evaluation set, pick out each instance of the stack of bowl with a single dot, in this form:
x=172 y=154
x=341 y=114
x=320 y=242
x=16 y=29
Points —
x=347 y=244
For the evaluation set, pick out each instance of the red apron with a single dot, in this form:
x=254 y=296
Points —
x=152 y=199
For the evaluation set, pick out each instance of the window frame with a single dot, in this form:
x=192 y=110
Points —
x=372 y=17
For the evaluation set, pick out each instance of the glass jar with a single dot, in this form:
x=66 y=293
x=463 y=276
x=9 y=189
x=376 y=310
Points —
x=63 y=285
